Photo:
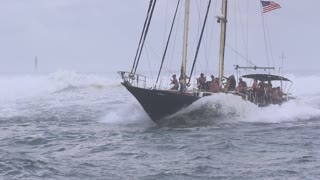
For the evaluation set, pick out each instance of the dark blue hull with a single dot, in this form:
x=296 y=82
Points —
x=160 y=103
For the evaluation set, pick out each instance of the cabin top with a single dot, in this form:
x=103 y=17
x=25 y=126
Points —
x=266 y=77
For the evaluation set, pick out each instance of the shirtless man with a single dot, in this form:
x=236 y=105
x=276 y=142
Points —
x=175 y=82
x=202 y=81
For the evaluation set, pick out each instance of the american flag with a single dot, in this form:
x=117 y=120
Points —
x=269 y=6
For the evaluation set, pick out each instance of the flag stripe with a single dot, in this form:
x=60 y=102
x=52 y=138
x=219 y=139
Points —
x=269 y=6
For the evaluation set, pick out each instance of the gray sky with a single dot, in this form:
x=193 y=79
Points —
x=102 y=35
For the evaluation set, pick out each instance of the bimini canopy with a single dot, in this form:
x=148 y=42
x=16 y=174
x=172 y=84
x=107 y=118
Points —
x=265 y=77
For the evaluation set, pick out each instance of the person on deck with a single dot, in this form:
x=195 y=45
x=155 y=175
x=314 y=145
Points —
x=255 y=90
x=183 y=82
x=209 y=84
x=231 y=84
x=201 y=82
x=215 y=85
x=242 y=86
x=261 y=92
x=279 y=94
x=269 y=92
x=269 y=83
x=255 y=87
x=212 y=78
x=175 y=82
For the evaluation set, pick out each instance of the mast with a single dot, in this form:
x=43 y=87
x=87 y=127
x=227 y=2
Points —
x=185 y=42
x=282 y=58
x=223 y=21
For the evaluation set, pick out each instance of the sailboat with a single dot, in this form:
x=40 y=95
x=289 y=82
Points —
x=159 y=103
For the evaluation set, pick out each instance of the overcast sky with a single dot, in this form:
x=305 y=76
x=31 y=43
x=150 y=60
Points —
x=102 y=35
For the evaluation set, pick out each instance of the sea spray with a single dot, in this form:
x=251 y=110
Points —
x=227 y=108
x=127 y=113
x=19 y=86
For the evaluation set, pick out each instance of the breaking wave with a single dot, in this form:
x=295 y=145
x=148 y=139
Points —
x=127 y=113
x=225 y=108
x=17 y=87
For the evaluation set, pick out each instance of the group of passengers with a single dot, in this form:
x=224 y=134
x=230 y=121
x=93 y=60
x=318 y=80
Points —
x=204 y=85
x=212 y=85
x=266 y=94
x=260 y=92
x=181 y=83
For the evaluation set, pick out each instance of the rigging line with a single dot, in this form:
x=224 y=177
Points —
x=151 y=49
x=141 y=37
x=145 y=34
x=211 y=42
x=199 y=7
x=236 y=34
x=247 y=30
x=168 y=40
x=148 y=58
x=264 y=35
x=206 y=51
x=198 y=28
x=174 y=44
x=198 y=33
x=270 y=47
x=204 y=43
x=199 y=20
x=165 y=25
x=243 y=57
x=208 y=47
x=245 y=44
x=199 y=43
x=235 y=30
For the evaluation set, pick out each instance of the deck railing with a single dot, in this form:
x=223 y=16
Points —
x=136 y=80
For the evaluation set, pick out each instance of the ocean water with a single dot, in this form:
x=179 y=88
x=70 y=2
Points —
x=68 y=125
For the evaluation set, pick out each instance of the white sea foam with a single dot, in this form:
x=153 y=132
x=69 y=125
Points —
x=304 y=107
x=128 y=113
x=15 y=87
x=234 y=108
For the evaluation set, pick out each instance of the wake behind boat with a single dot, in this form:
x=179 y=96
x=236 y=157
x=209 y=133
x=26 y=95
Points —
x=260 y=89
